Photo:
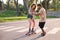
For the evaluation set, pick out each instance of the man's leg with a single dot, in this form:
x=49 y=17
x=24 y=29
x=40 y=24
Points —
x=43 y=32
x=41 y=25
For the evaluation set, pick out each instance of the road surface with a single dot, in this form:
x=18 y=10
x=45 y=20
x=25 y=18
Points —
x=17 y=30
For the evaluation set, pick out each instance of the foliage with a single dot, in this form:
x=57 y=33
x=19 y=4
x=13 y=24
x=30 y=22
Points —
x=7 y=13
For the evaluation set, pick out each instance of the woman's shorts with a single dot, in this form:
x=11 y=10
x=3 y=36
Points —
x=41 y=24
x=30 y=16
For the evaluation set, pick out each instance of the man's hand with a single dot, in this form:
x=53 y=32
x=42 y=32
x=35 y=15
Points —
x=35 y=13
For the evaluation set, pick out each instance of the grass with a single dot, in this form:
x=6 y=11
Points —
x=36 y=17
x=7 y=19
x=52 y=17
x=9 y=15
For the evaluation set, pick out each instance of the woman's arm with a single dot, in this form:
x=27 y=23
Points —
x=36 y=13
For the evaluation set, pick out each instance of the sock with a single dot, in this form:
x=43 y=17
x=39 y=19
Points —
x=32 y=29
x=29 y=29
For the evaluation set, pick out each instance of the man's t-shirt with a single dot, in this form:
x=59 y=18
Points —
x=42 y=16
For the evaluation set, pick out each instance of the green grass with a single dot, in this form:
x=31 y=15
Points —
x=52 y=17
x=36 y=17
x=7 y=19
x=10 y=15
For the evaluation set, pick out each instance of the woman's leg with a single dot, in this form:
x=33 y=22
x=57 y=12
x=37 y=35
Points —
x=33 y=23
x=33 y=26
x=29 y=27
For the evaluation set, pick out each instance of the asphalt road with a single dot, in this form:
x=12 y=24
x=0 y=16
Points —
x=17 y=30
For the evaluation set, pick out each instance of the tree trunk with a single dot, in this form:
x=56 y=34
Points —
x=17 y=8
x=25 y=5
x=8 y=3
x=0 y=5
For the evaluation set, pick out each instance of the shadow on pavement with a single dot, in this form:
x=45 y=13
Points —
x=21 y=37
x=37 y=37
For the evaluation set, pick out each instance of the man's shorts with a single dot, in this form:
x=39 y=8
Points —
x=41 y=24
x=30 y=16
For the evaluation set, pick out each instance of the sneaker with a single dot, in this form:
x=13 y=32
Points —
x=29 y=33
x=43 y=34
x=33 y=32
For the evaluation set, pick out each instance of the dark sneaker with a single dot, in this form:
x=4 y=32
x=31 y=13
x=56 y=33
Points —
x=33 y=32
x=43 y=34
x=29 y=33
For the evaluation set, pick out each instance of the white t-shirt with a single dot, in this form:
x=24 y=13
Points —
x=42 y=16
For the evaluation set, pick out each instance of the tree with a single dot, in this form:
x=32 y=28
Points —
x=30 y=2
x=26 y=5
x=17 y=8
x=11 y=4
x=8 y=3
x=45 y=3
x=22 y=10
x=55 y=4
x=0 y=5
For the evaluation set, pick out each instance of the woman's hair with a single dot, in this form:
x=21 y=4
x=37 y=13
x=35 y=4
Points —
x=33 y=5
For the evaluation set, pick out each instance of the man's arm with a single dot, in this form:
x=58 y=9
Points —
x=35 y=13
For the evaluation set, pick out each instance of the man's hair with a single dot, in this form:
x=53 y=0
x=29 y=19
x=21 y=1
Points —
x=39 y=5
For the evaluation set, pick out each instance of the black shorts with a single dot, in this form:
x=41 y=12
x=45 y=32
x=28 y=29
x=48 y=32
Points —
x=41 y=24
x=30 y=16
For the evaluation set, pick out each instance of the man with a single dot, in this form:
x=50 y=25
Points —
x=42 y=17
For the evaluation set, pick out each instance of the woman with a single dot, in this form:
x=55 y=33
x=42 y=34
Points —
x=31 y=19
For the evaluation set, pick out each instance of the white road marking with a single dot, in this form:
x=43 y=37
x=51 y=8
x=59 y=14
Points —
x=12 y=29
x=2 y=28
x=54 y=31
x=23 y=30
x=37 y=31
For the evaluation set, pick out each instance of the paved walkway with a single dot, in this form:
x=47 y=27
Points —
x=17 y=30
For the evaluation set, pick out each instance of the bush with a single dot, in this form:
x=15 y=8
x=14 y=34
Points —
x=8 y=13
